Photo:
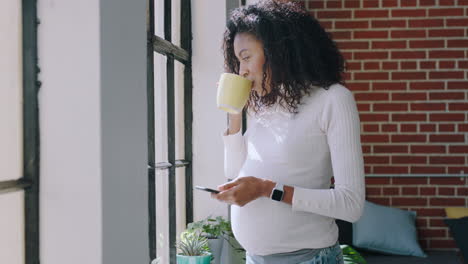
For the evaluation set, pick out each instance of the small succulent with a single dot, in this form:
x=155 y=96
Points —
x=193 y=244
x=351 y=256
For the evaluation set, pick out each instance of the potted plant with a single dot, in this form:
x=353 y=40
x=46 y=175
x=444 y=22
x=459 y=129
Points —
x=216 y=230
x=193 y=249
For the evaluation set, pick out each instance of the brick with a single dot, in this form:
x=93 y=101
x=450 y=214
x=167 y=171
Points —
x=406 y=201
x=421 y=222
x=341 y=35
x=370 y=3
x=446 y=191
x=437 y=201
x=389 y=128
x=363 y=107
x=437 y=222
x=409 y=180
x=458 y=149
x=446 y=127
x=352 y=66
x=447 y=96
x=388 y=24
x=408 y=117
x=457 y=170
x=409 y=160
x=408 y=138
x=444 y=12
x=409 y=96
x=446 y=75
x=389 y=3
x=427 y=170
x=408 y=55
x=390 y=149
x=377 y=180
x=352 y=4
x=446 y=181
x=333 y=14
x=458 y=106
x=390 y=170
x=406 y=3
x=430 y=212
x=390 y=107
x=428 y=149
x=371 y=96
x=371 y=76
x=458 y=22
x=409 y=191
x=366 y=149
x=432 y=233
x=380 y=201
x=439 y=243
x=408 y=128
x=333 y=4
x=388 y=44
x=347 y=55
x=376 y=160
x=425 y=23
x=433 y=33
x=391 y=191
x=353 y=45
x=370 y=34
x=389 y=65
x=373 y=117
x=374 y=138
x=427 y=128
x=462 y=191
x=408 y=75
x=408 y=34
x=371 y=128
x=388 y=86
x=408 y=13
x=415 y=44
x=447 y=138
x=437 y=54
x=351 y=24
x=446 y=117
x=328 y=25
x=447 y=2
x=370 y=13
x=457 y=43
x=408 y=65
x=446 y=64
x=463 y=64
x=373 y=55
x=374 y=191
x=358 y=86
x=447 y=160
x=315 y=4
x=462 y=127
x=427 y=190
x=427 y=107
x=372 y=65
x=427 y=64
x=426 y=2
x=457 y=85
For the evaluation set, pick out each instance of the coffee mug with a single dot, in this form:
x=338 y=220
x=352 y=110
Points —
x=233 y=92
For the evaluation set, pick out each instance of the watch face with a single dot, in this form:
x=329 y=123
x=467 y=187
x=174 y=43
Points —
x=277 y=195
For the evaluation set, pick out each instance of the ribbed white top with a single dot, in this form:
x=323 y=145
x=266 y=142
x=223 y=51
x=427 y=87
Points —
x=302 y=150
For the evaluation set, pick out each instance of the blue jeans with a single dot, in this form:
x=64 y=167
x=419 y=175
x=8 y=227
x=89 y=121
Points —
x=330 y=255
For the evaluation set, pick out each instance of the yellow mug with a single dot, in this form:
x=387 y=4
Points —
x=233 y=92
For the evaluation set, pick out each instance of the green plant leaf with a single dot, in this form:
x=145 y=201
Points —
x=351 y=256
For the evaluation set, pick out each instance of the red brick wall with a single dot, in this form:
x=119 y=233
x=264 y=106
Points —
x=407 y=65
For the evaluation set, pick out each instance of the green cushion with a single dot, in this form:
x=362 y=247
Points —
x=387 y=230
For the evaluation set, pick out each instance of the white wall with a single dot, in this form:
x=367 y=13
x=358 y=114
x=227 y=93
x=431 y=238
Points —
x=92 y=104
x=208 y=23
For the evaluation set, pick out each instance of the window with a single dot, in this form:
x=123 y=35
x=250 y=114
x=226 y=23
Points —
x=169 y=124
x=19 y=134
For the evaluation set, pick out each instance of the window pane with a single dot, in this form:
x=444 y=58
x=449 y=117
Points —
x=162 y=215
x=10 y=90
x=12 y=228
x=179 y=110
x=160 y=108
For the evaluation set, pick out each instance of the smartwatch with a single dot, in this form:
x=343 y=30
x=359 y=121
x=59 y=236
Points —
x=277 y=193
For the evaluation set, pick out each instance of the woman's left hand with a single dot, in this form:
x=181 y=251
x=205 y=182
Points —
x=243 y=190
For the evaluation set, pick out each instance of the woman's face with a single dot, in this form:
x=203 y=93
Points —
x=249 y=52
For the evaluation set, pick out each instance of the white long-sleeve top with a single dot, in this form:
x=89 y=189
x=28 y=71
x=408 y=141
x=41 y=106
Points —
x=302 y=150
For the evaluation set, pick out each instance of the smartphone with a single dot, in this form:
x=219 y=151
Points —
x=206 y=189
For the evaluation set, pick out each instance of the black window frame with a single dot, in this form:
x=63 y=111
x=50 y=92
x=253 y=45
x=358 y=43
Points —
x=182 y=54
x=29 y=181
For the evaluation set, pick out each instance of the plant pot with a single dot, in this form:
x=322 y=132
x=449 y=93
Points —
x=216 y=246
x=181 y=259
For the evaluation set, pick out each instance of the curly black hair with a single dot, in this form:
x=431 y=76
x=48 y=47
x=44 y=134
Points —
x=299 y=54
